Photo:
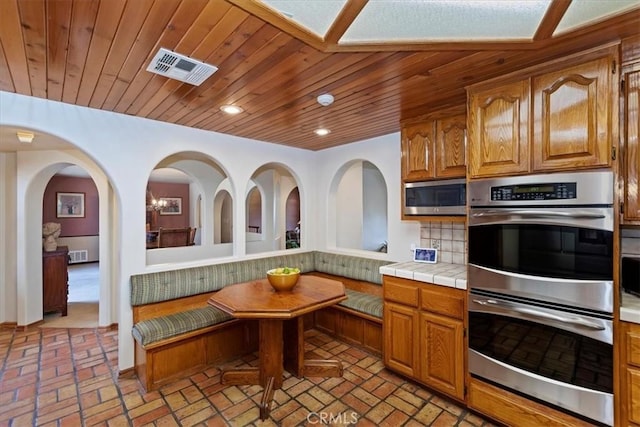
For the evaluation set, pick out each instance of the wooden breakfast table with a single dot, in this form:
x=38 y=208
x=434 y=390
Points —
x=281 y=330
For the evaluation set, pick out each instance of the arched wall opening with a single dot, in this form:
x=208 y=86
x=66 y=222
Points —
x=34 y=172
x=191 y=182
x=357 y=201
x=275 y=182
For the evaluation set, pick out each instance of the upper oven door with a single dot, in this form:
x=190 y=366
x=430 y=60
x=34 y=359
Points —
x=563 y=243
x=435 y=197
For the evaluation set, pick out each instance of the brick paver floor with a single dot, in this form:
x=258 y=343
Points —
x=68 y=377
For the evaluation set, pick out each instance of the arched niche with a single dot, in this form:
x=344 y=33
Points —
x=292 y=219
x=266 y=198
x=359 y=205
x=201 y=188
x=223 y=217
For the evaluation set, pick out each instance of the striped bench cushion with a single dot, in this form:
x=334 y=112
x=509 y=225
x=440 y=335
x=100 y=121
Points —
x=365 y=303
x=152 y=330
x=353 y=267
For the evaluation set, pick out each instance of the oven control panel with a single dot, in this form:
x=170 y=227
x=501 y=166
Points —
x=545 y=191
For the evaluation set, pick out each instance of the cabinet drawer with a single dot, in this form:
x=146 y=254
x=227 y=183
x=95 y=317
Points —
x=403 y=291
x=445 y=301
x=633 y=346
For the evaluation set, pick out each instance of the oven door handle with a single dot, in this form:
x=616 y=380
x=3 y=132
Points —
x=537 y=214
x=536 y=313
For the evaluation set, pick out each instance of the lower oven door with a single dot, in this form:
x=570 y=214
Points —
x=563 y=358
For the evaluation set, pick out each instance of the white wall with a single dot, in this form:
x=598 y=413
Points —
x=375 y=215
x=77 y=243
x=8 y=212
x=384 y=153
x=116 y=147
x=349 y=207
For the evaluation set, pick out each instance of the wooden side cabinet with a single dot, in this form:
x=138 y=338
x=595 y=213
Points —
x=631 y=154
x=55 y=280
x=629 y=397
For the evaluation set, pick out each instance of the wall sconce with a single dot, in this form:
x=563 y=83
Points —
x=25 y=137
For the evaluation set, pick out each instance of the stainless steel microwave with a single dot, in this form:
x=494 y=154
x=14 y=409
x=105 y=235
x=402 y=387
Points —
x=446 y=197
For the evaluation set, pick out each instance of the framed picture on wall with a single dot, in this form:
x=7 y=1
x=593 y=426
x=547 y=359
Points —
x=173 y=206
x=70 y=205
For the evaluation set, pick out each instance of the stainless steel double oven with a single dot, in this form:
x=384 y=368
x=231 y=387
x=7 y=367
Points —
x=541 y=288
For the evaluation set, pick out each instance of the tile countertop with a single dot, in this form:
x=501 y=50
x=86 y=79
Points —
x=441 y=273
x=630 y=308
x=455 y=276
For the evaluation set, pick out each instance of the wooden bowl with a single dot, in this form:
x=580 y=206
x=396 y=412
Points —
x=282 y=282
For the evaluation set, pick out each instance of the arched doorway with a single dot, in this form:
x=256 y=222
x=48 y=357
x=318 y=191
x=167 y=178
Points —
x=32 y=182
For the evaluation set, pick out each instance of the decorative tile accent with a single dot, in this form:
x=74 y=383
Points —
x=450 y=238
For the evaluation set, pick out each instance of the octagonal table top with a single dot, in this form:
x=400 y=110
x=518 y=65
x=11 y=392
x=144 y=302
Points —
x=258 y=300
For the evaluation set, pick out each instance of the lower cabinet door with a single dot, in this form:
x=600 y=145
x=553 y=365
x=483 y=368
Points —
x=400 y=335
x=441 y=354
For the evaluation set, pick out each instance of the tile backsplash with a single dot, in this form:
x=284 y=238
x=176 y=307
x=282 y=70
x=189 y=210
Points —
x=449 y=238
x=630 y=241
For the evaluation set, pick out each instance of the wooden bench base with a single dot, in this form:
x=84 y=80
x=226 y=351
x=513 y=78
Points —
x=352 y=327
x=161 y=362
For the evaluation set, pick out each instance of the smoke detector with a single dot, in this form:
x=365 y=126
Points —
x=180 y=67
x=325 y=99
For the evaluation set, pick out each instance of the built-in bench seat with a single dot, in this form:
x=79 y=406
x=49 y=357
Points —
x=176 y=331
x=363 y=303
x=149 y=331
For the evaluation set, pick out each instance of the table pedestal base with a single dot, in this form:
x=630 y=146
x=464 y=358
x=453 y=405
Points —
x=279 y=351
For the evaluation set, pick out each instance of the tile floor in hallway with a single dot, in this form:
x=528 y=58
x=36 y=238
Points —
x=67 y=377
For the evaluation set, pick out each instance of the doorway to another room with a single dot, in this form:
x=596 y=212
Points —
x=71 y=203
x=83 y=299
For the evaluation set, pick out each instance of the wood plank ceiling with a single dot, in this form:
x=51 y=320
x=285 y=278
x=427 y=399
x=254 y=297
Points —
x=94 y=53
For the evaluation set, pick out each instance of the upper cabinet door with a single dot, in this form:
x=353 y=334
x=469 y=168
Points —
x=451 y=141
x=631 y=172
x=499 y=130
x=572 y=114
x=417 y=151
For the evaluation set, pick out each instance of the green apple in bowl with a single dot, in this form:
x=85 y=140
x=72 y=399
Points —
x=283 y=278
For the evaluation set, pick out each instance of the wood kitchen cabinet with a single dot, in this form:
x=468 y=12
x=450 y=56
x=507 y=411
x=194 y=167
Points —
x=573 y=116
x=629 y=398
x=631 y=137
x=499 y=130
x=55 y=288
x=400 y=335
x=451 y=147
x=434 y=146
x=424 y=333
x=401 y=326
x=442 y=338
x=418 y=151
x=554 y=117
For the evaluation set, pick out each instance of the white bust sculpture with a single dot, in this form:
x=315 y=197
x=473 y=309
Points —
x=50 y=232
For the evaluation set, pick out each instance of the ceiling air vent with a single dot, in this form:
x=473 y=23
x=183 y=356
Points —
x=180 y=67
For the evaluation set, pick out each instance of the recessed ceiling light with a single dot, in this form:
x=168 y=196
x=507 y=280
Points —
x=231 y=109
x=322 y=132
x=25 y=137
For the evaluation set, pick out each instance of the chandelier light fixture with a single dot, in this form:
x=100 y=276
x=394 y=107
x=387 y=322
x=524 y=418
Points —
x=154 y=204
